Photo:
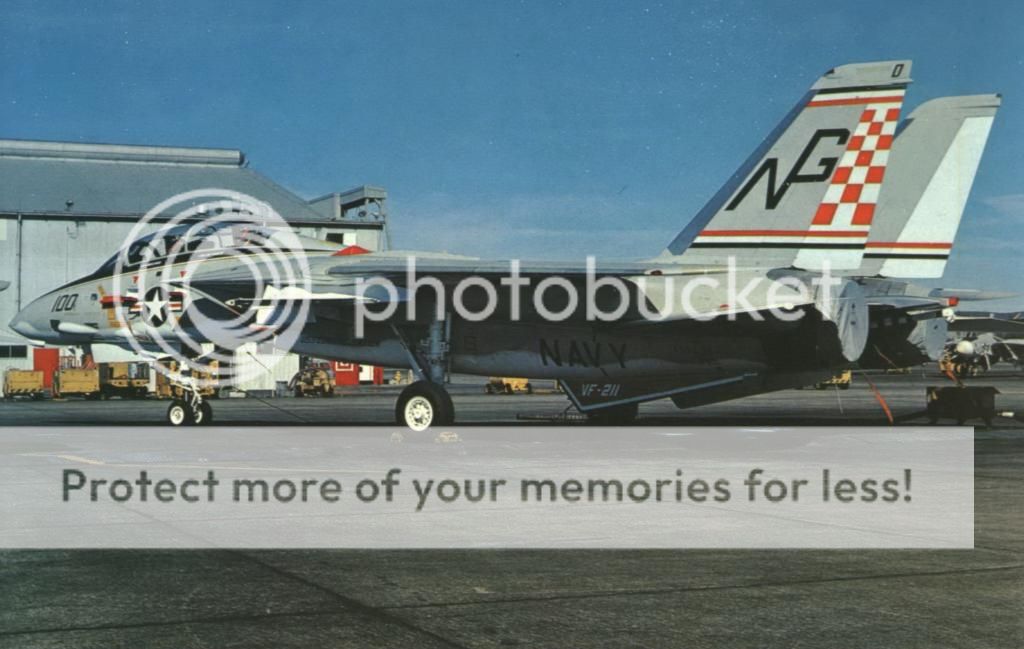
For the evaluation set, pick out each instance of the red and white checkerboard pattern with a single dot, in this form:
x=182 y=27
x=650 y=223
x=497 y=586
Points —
x=853 y=191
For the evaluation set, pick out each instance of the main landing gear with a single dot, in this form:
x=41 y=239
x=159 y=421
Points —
x=426 y=403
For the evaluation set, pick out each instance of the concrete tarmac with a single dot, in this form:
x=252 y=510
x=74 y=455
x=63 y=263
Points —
x=903 y=394
x=495 y=598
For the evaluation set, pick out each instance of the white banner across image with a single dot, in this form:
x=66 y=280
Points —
x=498 y=487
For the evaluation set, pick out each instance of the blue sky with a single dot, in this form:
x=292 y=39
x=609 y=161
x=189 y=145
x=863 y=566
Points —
x=533 y=129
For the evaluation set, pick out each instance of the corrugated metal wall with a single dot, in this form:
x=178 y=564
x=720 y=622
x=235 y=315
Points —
x=54 y=252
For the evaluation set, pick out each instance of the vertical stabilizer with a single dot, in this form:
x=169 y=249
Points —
x=933 y=165
x=806 y=197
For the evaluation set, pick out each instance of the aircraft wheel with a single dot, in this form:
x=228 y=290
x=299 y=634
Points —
x=614 y=416
x=450 y=408
x=424 y=404
x=179 y=414
x=205 y=415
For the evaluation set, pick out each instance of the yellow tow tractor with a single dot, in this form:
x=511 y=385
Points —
x=508 y=385
x=841 y=381
x=313 y=381
x=24 y=383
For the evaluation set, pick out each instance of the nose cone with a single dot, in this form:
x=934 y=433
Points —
x=24 y=322
x=21 y=325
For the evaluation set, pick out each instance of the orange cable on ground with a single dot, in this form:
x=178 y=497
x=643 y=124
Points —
x=880 y=399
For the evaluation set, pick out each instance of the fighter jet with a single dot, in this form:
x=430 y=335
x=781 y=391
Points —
x=765 y=289
x=979 y=340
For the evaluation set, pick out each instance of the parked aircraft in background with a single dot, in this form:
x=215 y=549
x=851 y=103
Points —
x=979 y=340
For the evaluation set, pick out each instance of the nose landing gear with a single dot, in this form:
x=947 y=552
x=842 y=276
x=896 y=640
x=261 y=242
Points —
x=192 y=410
x=178 y=413
x=188 y=408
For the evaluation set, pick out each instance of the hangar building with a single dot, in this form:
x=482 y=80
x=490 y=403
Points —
x=65 y=207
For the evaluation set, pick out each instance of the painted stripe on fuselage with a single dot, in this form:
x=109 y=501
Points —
x=654 y=395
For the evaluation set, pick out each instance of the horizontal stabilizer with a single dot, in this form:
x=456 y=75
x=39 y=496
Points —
x=970 y=294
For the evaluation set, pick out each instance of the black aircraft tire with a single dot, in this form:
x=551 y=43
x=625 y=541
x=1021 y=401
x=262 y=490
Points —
x=205 y=417
x=449 y=409
x=424 y=404
x=179 y=414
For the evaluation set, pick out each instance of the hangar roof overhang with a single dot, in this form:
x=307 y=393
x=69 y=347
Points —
x=124 y=182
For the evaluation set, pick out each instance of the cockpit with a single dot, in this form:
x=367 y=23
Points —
x=180 y=242
x=185 y=242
